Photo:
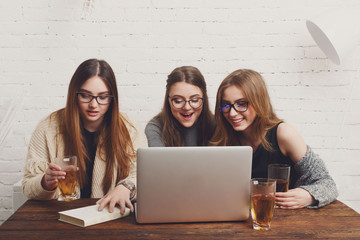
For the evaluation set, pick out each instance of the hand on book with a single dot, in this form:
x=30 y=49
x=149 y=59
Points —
x=119 y=195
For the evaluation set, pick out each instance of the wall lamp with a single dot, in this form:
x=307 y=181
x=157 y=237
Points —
x=336 y=32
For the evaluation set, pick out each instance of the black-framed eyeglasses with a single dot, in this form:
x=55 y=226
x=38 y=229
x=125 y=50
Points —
x=100 y=99
x=178 y=102
x=240 y=106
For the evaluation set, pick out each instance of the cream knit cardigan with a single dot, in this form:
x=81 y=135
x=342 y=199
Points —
x=44 y=146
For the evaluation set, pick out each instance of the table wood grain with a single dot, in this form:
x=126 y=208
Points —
x=39 y=220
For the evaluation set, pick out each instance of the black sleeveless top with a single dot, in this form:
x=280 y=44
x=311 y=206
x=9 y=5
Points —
x=262 y=158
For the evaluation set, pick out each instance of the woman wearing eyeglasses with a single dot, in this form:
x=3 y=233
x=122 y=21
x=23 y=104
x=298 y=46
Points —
x=91 y=128
x=244 y=116
x=185 y=119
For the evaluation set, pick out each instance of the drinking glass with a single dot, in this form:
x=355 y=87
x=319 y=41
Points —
x=262 y=192
x=281 y=173
x=67 y=186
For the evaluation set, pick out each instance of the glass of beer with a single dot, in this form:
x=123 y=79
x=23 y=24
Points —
x=262 y=193
x=281 y=173
x=67 y=186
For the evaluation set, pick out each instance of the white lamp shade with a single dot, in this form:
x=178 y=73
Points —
x=336 y=32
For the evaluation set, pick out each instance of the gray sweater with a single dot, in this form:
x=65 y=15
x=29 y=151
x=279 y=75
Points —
x=153 y=132
x=314 y=177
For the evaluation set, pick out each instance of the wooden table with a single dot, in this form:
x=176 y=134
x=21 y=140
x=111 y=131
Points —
x=39 y=220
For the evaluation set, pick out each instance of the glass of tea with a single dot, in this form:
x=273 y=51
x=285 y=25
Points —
x=67 y=186
x=281 y=173
x=262 y=193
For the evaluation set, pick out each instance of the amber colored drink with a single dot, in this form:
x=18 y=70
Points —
x=67 y=186
x=262 y=210
x=282 y=185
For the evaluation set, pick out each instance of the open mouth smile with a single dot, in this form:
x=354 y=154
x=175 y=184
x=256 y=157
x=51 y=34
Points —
x=187 y=116
x=237 y=122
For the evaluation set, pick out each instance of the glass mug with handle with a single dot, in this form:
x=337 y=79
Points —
x=67 y=186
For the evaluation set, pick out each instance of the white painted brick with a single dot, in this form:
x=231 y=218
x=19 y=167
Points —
x=352 y=119
x=36 y=114
x=67 y=28
x=177 y=28
x=202 y=15
x=15 y=140
x=231 y=4
x=46 y=41
x=6 y=202
x=10 y=5
x=176 y=4
x=125 y=28
x=349 y=190
x=125 y=3
x=13 y=166
x=226 y=28
x=313 y=92
x=10 y=178
x=150 y=15
x=5 y=190
x=320 y=142
x=13 y=153
x=57 y=103
x=39 y=102
x=9 y=90
x=10 y=13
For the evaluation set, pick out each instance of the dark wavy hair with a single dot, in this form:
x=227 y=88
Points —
x=171 y=134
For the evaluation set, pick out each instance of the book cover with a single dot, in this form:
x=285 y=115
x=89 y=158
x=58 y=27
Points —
x=90 y=215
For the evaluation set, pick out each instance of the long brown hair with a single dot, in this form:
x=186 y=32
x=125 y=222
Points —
x=254 y=88
x=114 y=142
x=171 y=133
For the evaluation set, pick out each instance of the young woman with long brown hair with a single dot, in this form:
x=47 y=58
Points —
x=185 y=119
x=244 y=116
x=91 y=128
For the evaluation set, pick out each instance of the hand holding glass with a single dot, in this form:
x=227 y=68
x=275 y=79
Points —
x=67 y=186
x=262 y=192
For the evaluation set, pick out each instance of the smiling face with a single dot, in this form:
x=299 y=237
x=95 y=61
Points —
x=240 y=121
x=92 y=113
x=187 y=115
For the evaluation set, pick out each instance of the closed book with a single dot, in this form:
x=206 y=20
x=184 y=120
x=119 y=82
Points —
x=90 y=215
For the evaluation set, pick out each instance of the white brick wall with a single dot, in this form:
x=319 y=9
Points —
x=43 y=41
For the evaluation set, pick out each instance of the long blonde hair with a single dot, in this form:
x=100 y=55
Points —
x=113 y=138
x=254 y=88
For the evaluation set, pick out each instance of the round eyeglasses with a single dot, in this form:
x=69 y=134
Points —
x=87 y=98
x=240 y=106
x=180 y=102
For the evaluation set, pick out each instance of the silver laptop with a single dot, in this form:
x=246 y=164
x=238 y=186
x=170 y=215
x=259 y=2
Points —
x=193 y=184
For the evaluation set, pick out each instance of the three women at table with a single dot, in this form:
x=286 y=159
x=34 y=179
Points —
x=185 y=118
x=244 y=116
x=92 y=128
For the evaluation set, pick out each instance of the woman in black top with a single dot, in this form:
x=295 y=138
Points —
x=244 y=116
